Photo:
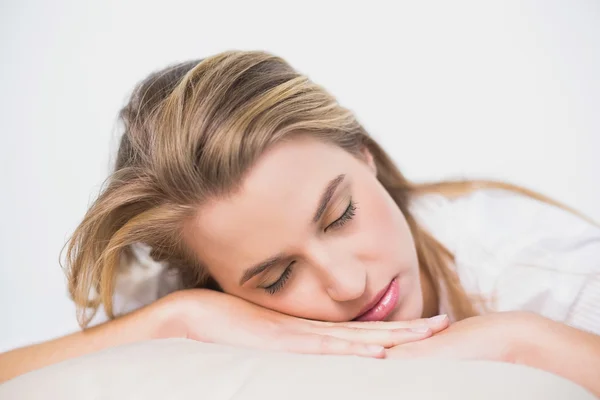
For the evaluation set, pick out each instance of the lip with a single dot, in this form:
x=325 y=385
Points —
x=382 y=304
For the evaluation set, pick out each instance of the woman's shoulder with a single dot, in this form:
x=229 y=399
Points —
x=500 y=219
x=520 y=253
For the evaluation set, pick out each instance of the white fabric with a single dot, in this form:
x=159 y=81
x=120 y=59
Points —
x=520 y=253
x=178 y=369
x=517 y=252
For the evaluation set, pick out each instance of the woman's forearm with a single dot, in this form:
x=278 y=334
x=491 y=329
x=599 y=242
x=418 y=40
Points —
x=134 y=327
x=567 y=352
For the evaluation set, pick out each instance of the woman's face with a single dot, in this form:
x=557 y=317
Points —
x=313 y=234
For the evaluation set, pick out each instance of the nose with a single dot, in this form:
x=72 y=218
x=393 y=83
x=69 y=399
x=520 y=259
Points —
x=344 y=276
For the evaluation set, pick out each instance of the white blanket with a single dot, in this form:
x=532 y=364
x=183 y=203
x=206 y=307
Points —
x=182 y=369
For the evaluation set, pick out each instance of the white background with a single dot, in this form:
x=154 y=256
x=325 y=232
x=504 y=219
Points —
x=507 y=90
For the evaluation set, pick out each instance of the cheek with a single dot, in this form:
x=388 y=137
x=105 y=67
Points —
x=384 y=234
x=303 y=297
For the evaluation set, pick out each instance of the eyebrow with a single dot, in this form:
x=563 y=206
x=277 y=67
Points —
x=327 y=195
x=323 y=203
x=259 y=268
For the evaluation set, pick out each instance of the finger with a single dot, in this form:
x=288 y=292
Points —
x=383 y=337
x=405 y=351
x=324 y=344
x=436 y=324
x=431 y=348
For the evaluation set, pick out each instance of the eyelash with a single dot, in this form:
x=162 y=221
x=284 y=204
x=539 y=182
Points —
x=278 y=285
x=346 y=216
x=341 y=221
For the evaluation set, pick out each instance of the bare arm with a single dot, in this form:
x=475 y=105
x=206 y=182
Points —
x=143 y=324
x=233 y=321
x=516 y=337
x=567 y=352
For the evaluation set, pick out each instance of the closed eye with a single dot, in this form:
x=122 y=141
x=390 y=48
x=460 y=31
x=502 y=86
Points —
x=345 y=217
x=279 y=283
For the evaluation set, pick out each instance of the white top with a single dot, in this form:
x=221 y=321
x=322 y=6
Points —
x=516 y=252
x=520 y=253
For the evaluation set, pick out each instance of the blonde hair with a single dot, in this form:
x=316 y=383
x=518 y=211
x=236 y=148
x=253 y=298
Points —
x=191 y=133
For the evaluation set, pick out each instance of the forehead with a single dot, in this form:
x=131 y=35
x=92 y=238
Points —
x=274 y=206
x=298 y=165
x=288 y=179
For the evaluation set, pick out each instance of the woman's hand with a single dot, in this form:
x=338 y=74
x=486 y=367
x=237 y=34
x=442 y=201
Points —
x=516 y=337
x=210 y=316
x=497 y=337
x=215 y=317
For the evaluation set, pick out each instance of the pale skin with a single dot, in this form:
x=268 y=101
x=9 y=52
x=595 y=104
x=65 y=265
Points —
x=326 y=261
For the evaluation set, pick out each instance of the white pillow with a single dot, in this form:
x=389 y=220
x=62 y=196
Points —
x=184 y=369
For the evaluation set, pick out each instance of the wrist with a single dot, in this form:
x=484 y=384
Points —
x=533 y=341
x=519 y=337
x=167 y=318
x=180 y=314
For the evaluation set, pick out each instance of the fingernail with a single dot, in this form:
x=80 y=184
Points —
x=372 y=348
x=420 y=329
x=438 y=318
